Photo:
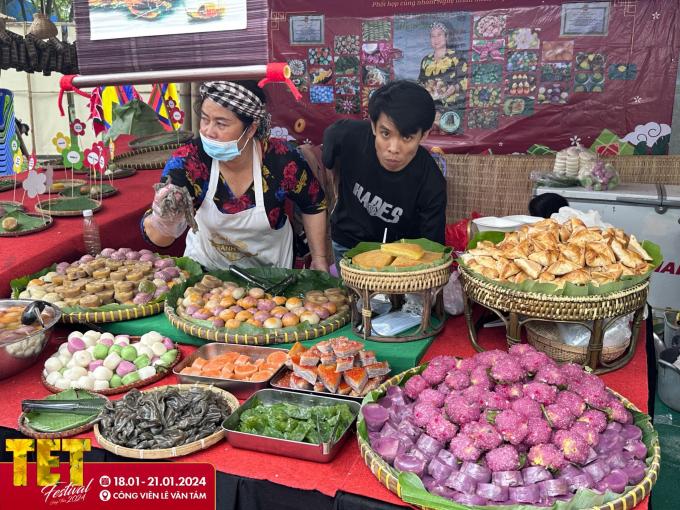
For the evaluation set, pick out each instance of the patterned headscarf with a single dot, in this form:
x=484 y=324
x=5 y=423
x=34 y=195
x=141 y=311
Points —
x=439 y=26
x=238 y=99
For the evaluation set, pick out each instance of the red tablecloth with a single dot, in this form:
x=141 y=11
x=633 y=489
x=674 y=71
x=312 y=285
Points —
x=118 y=222
x=348 y=471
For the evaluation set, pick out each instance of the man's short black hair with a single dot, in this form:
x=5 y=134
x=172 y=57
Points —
x=408 y=104
x=546 y=204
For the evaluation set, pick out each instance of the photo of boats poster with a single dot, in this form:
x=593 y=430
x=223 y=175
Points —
x=117 y=19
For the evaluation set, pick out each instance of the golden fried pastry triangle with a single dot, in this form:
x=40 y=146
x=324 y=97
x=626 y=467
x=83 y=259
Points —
x=636 y=247
x=599 y=254
x=545 y=257
x=626 y=257
x=562 y=267
x=533 y=269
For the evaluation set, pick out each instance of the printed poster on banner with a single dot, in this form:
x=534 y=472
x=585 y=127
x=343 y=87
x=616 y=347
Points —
x=111 y=19
x=434 y=50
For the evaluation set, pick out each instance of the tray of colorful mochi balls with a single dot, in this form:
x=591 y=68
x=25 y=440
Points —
x=223 y=307
x=108 y=364
x=507 y=428
x=115 y=285
x=339 y=366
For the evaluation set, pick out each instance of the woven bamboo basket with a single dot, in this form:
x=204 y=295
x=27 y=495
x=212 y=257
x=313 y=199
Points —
x=27 y=430
x=120 y=173
x=126 y=314
x=546 y=338
x=165 y=140
x=389 y=476
x=42 y=27
x=177 y=451
x=546 y=306
x=124 y=389
x=267 y=337
x=146 y=158
x=48 y=223
x=67 y=183
x=44 y=207
x=18 y=205
x=399 y=282
x=6 y=183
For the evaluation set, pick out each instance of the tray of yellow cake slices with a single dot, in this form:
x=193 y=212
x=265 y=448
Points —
x=409 y=265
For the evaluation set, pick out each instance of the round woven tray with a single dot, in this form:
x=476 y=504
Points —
x=13 y=203
x=398 y=281
x=546 y=306
x=389 y=476
x=268 y=336
x=162 y=140
x=44 y=207
x=103 y=194
x=48 y=223
x=68 y=183
x=168 y=453
x=127 y=314
x=120 y=173
x=6 y=183
x=26 y=429
x=127 y=387
x=147 y=158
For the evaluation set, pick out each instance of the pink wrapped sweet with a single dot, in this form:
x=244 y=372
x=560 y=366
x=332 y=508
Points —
x=415 y=385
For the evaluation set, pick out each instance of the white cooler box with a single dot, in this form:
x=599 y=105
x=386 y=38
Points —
x=651 y=212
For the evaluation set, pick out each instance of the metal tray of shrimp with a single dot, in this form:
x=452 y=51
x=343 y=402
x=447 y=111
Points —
x=240 y=389
x=323 y=452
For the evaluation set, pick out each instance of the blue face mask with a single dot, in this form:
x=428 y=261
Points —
x=222 y=151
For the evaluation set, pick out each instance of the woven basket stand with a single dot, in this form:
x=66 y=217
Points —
x=517 y=308
x=428 y=283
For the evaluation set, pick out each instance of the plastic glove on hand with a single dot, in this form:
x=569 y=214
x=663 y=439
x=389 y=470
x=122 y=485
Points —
x=174 y=205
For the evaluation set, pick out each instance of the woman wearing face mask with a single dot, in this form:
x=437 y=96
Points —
x=239 y=178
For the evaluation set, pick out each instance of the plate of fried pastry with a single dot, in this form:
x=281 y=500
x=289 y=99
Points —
x=554 y=253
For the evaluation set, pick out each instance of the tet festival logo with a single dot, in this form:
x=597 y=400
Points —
x=46 y=461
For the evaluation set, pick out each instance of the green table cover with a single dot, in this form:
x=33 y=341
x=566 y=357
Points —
x=401 y=356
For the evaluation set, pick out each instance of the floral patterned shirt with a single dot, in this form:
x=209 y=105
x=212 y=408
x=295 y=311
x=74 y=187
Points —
x=285 y=174
x=445 y=78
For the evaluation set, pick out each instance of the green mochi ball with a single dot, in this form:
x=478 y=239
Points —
x=128 y=353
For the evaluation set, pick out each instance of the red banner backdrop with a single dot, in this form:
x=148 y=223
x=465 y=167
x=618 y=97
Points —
x=504 y=75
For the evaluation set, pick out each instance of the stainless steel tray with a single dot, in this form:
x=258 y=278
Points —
x=275 y=382
x=297 y=449
x=240 y=389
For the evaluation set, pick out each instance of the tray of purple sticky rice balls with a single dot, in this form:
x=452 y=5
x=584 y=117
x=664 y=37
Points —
x=509 y=430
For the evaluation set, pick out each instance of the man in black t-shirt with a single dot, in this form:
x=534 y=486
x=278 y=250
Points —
x=389 y=186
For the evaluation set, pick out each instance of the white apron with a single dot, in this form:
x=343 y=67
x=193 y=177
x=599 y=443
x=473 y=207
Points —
x=245 y=238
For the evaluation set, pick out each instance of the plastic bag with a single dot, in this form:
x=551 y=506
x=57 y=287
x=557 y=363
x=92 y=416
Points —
x=618 y=333
x=393 y=323
x=591 y=218
x=553 y=180
x=602 y=177
x=457 y=233
x=453 y=295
